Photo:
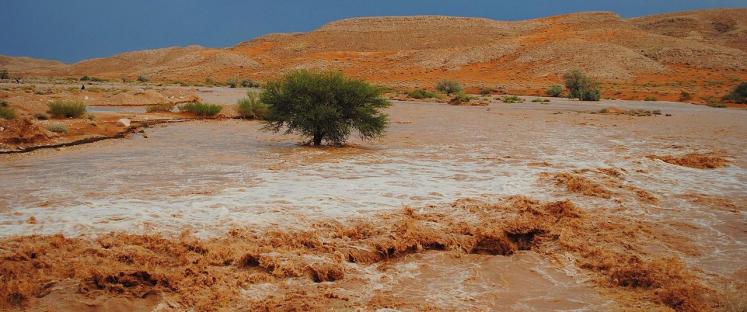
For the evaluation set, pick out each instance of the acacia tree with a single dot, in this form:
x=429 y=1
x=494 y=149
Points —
x=324 y=106
x=581 y=86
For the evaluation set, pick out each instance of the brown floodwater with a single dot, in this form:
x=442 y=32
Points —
x=213 y=176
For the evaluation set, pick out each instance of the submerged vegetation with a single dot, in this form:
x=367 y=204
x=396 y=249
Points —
x=67 y=109
x=325 y=106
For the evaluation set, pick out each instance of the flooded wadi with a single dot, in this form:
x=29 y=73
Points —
x=524 y=207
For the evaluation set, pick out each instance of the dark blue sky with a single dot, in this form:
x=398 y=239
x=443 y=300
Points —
x=72 y=30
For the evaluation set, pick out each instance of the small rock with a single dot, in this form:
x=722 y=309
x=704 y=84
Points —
x=124 y=122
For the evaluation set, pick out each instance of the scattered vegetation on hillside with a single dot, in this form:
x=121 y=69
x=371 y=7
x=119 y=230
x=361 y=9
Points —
x=554 y=91
x=685 y=96
x=486 y=91
x=581 y=86
x=202 y=109
x=6 y=112
x=67 y=109
x=4 y=74
x=325 y=106
x=251 y=107
x=421 y=94
x=449 y=86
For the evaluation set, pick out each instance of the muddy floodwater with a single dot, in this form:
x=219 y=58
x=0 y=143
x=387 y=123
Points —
x=210 y=177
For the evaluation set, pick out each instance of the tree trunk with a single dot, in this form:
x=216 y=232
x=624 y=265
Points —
x=317 y=139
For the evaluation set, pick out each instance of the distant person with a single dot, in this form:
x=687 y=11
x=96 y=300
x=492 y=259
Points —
x=83 y=87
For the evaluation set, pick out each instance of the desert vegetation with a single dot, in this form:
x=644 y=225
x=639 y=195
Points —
x=738 y=94
x=4 y=74
x=251 y=107
x=324 y=106
x=162 y=108
x=581 y=87
x=421 y=94
x=512 y=99
x=57 y=128
x=67 y=109
x=6 y=112
x=449 y=86
x=248 y=83
x=201 y=109
x=461 y=98
x=554 y=91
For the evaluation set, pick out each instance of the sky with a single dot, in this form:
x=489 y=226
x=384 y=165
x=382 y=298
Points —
x=73 y=30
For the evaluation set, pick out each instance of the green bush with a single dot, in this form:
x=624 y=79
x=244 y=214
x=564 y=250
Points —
x=4 y=74
x=739 y=94
x=232 y=83
x=421 y=94
x=486 y=91
x=325 y=106
x=251 y=107
x=554 y=91
x=581 y=87
x=67 y=109
x=650 y=98
x=449 y=86
x=6 y=112
x=512 y=99
x=57 y=128
x=540 y=100
x=202 y=109
x=142 y=78
x=166 y=107
x=41 y=116
x=248 y=83
x=685 y=96
x=85 y=78
x=461 y=98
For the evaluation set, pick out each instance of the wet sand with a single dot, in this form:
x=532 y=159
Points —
x=212 y=177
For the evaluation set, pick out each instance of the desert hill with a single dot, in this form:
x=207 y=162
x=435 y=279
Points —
x=703 y=52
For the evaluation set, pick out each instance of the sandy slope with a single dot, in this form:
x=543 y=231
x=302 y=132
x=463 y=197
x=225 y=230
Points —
x=702 y=52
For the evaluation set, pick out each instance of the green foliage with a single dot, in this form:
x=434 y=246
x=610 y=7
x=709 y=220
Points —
x=486 y=91
x=202 y=109
x=142 y=78
x=325 y=106
x=685 y=96
x=738 y=94
x=461 y=98
x=232 y=83
x=6 y=112
x=512 y=99
x=166 y=107
x=85 y=78
x=554 y=91
x=650 y=98
x=251 y=107
x=57 y=128
x=41 y=116
x=4 y=74
x=421 y=94
x=248 y=83
x=449 y=86
x=538 y=100
x=581 y=86
x=67 y=109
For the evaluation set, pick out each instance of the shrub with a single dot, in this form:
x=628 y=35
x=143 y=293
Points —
x=685 y=96
x=449 y=86
x=461 y=98
x=232 y=83
x=540 y=100
x=251 y=107
x=554 y=91
x=6 y=112
x=85 y=78
x=142 y=78
x=166 y=107
x=739 y=94
x=4 y=74
x=57 y=128
x=581 y=87
x=202 y=109
x=421 y=94
x=41 y=116
x=67 y=109
x=486 y=91
x=325 y=106
x=248 y=83
x=512 y=99
x=650 y=98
